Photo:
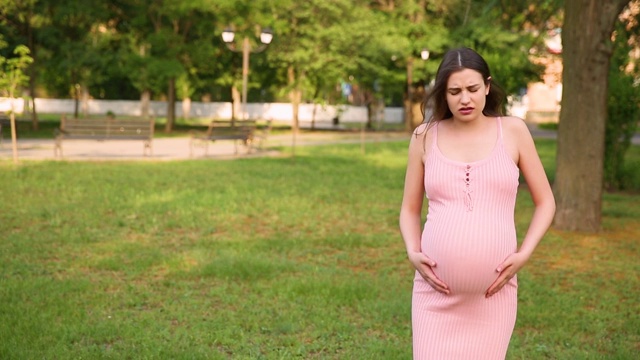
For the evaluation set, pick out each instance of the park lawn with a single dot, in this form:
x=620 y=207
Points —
x=272 y=258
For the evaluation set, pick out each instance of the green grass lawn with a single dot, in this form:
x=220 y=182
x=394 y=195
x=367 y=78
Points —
x=271 y=258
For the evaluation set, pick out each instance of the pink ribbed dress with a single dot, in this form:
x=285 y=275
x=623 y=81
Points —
x=469 y=231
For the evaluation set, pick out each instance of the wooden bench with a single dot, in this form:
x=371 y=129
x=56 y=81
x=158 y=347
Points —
x=239 y=131
x=102 y=129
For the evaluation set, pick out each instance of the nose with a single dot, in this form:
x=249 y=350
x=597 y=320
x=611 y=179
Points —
x=464 y=98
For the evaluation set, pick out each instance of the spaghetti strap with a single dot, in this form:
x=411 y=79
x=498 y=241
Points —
x=500 y=126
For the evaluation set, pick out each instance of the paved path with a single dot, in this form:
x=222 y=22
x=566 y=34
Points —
x=167 y=149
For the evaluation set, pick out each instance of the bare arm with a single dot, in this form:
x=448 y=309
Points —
x=541 y=193
x=413 y=196
x=411 y=213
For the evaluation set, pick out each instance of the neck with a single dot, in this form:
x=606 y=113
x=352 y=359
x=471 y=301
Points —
x=469 y=125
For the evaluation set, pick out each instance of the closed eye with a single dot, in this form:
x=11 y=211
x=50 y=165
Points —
x=472 y=88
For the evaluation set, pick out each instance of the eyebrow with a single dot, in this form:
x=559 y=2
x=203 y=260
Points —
x=468 y=87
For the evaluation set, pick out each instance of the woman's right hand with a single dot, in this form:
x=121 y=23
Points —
x=425 y=266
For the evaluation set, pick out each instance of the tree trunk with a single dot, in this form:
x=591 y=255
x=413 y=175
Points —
x=14 y=135
x=315 y=96
x=235 y=102
x=76 y=108
x=171 y=106
x=186 y=108
x=32 y=94
x=84 y=91
x=587 y=48
x=408 y=114
x=145 y=99
x=32 y=73
x=295 y=95
x=313 y=116
x=370 y=103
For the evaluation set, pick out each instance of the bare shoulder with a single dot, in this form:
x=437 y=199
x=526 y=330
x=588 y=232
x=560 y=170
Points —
x=514 y=124
x=421 y=138
x=420 y=129
x=516 y=129
x=517 y=137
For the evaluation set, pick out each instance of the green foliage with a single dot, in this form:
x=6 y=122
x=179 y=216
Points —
x=166 y=41
x=12 y=70
x=623 y=112
x=319 y=40
x=404 y=31
x=120 y=49
x=506 y=47
x=73 y=46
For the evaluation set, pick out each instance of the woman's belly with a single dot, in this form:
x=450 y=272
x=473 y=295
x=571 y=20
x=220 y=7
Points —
x=467 y=255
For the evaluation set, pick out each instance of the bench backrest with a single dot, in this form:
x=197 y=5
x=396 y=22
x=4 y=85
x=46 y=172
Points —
x=122 y=128
x=231 y=127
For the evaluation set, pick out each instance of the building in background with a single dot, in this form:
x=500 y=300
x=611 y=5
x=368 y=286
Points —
x=544 y=97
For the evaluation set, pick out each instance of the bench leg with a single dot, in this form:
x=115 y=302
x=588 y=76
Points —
x=147 y=146
x=195 y=142
x=57 y=148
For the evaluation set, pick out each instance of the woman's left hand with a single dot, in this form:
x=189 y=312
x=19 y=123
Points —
x=508 y=269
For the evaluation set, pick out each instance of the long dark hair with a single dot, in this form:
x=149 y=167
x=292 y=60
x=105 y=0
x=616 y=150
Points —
x=456 y=60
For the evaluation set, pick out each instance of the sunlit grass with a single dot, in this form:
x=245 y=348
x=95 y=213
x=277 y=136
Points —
x=271 y=258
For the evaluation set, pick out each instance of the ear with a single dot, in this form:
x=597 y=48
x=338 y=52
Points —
x=488 y=85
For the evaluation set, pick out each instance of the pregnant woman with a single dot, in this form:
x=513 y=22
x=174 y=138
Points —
x=466 y=159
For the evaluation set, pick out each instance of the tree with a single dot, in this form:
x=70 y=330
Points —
x=315 y=44
x=11 y=77
x=417 y=25
x=587 y=49
x=172 y=24
x=24 y=18
x=73 y=55
x=623 y=105
x=504 y=32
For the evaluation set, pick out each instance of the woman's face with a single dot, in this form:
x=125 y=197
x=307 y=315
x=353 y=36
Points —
x=466 y=94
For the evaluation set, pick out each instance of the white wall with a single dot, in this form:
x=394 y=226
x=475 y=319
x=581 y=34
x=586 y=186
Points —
x=281 y=112
x=5 y=105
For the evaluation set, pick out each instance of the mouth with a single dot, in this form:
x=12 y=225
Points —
x=466 y=110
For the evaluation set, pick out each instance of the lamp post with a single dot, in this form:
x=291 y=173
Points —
x=266 y=35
